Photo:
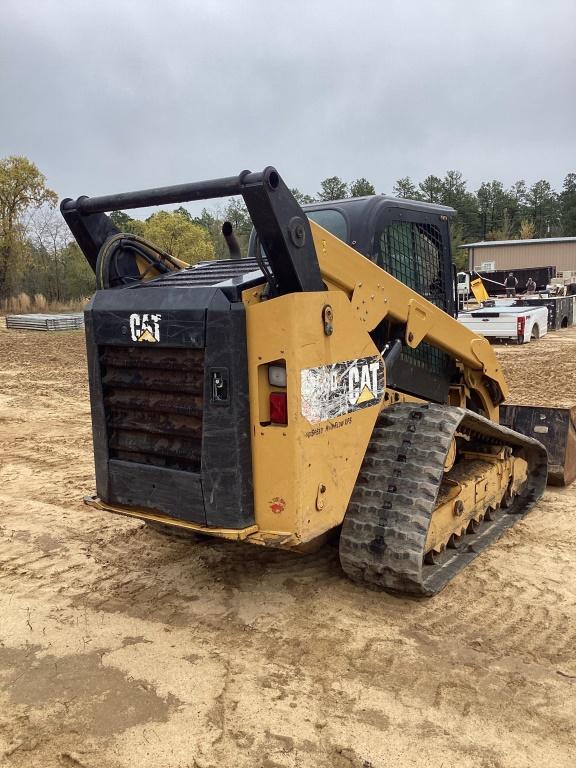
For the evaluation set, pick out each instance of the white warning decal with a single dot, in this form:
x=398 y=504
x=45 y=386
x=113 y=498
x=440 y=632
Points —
x=334 y=390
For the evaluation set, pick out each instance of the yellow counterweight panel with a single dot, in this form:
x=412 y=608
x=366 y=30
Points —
x=304 y=473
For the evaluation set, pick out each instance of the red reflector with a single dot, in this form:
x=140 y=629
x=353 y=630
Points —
x=278 y=408
x=520 y=325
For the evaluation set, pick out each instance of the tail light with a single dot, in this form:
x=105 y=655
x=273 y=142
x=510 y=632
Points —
x=520 y=325
x=277 y=375
x=273 y=398
x=278 y=408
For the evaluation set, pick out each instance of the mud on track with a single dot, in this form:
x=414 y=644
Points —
x=122 y=647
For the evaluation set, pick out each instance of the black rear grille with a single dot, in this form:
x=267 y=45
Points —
x=153 y=399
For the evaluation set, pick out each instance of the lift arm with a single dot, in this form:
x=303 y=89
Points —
x=375 y=295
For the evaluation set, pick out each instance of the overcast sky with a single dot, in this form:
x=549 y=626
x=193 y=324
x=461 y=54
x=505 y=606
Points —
x=112 y=96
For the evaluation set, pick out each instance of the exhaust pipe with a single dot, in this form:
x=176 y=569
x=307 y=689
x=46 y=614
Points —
x=231 y=241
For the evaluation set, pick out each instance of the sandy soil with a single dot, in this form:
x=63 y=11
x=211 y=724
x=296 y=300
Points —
x=121 y=647
x=542 y=372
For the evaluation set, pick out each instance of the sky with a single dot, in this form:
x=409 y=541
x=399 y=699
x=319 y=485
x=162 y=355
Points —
x=109 y=96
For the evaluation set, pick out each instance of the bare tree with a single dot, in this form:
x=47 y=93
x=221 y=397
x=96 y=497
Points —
x=50 y=236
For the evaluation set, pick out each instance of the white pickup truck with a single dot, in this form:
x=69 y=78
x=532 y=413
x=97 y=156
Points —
x=518 y=324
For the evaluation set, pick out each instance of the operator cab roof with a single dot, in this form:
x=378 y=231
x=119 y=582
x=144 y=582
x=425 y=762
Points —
x=355 y=220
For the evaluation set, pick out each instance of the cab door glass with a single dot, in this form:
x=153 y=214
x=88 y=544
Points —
x=331 y=220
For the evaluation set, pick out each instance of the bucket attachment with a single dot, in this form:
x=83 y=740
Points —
x=555 y=429
x=479 y=290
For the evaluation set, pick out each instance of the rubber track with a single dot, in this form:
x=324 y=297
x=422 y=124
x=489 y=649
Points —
x=386 y=524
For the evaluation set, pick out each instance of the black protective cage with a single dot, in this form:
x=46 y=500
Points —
x=282 y=228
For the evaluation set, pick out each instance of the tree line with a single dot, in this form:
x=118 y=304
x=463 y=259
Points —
x=38 y=255
x=492 y=212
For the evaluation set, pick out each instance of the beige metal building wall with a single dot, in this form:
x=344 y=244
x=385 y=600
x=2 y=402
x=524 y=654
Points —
x=561 y=255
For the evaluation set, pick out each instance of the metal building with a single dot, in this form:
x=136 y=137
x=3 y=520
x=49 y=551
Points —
x=559 y=252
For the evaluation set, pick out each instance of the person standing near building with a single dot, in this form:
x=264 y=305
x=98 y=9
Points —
x=530 y=286
x=511 y=283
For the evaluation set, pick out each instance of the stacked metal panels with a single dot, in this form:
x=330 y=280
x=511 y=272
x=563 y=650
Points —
x=46 y=322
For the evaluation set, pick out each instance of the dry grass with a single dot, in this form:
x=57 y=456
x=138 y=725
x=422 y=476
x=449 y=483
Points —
x=23 y=303
x=40 y=301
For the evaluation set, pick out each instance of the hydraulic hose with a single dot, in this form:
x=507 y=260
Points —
x=114 y=269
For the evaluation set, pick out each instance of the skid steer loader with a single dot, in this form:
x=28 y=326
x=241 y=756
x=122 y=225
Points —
x=320 y=382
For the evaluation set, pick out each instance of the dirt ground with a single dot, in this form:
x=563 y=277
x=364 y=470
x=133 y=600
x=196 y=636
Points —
x=123 y=648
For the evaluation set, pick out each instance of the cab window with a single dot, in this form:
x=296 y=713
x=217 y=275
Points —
x=331 y=220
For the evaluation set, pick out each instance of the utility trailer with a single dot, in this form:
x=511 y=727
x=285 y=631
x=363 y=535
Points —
x=494 y=281
x=509 y=323
x=560 y=309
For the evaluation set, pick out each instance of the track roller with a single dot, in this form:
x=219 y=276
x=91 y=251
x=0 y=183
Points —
x=403 y=483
